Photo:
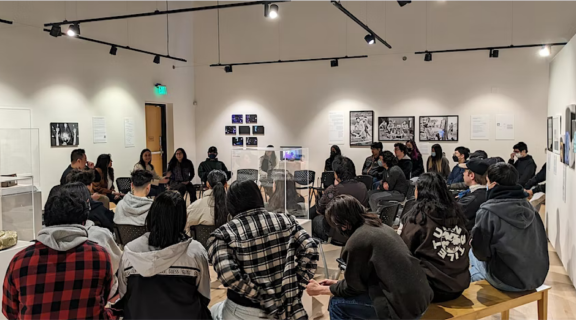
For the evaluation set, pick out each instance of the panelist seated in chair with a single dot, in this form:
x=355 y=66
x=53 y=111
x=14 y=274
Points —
x=181 y=172
x=435 y=232
x=394 y=185
x=212 y=163
x=285 y=197
x=210 y=210
x=133 y=209
x=145 y=163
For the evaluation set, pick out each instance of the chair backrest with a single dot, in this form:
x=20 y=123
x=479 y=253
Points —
x=408 y=206
x=201 y=233
x=410 y=192
x=366 y=180
x=304 y=177
x=387 y=212
x=327 y=179
x=124 y=184
x=247 y=174
x=278 y=174
x=126 y=233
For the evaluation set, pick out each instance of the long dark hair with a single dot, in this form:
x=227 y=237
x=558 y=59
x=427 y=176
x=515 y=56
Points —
x=437 y=159
x=434 y=199
x=142 y=162
x=338 y=152
x=415 y=151
x=102 y=163
x=217 y=179
x=345 y=211
x=174 y=162
x=166 y=220
x=268 y=161
x=285 y=196
x=243 y=196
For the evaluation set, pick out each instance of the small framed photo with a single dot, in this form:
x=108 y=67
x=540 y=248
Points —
x=438 y=128
x=361 y=128
x=230 y=129
x=395 y=128
x=237 y=118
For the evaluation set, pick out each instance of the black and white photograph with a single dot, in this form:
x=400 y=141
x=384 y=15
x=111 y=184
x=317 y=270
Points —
x=439 y=128
x=230 y=129
x=361 y=128
x=64 y=134
x=395 y=128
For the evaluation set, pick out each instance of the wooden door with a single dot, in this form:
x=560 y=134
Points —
x=154 y=136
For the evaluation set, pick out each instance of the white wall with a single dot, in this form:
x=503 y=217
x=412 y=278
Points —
x=561 y=221
x=68 y=80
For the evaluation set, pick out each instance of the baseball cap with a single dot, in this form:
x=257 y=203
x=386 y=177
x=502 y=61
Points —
x=212 y=150
x=475 y=165
x=479 y=154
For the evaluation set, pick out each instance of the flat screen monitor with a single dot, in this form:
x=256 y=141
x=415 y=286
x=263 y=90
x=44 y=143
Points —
x=291 y=153
x=251 y=118
x=257 y=129
x=237 y=118
x=238 y=141
x=252 y=141
x=244 y=129
x=230 y=129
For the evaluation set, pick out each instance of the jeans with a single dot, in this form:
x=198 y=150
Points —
x=359 y=307
x=229 y=310
x=479 y=272
x=376 y=183
x=377 y=197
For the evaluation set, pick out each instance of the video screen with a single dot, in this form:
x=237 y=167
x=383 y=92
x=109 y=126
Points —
x=237 y=141
x=244 y=129
x=291 y=153
x=251 y=118
x=257 y=129
x=237 y=118
x=252 y=141
x=230 y=129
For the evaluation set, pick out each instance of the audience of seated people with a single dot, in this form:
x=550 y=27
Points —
x=416 y=156
x=105 y=185
x=524 y=163
x=145 y=163
x=210 y=210
x=181 y=172
x=394 y=185
x=371 y=166
x=475 y=179
x=435 y=232
x=212 y=163
x=461 y=154
x=404 y=161
x=334 y=152
x=133 y=208
x=285 y=197
x=437 y=162
x=78 y=161
x=461 y=186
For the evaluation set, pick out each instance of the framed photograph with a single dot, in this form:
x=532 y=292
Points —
x=230 y=129
x=251 y=118
x=395 y=128
x=252 y=141
x=550 y=134
x=64 y=134
x=257 y=129
x=237 y=118
x=244 y=129
x=361 y=128
x=439 y=128
x=556 y=122
x=237 y=141
x=570 y=115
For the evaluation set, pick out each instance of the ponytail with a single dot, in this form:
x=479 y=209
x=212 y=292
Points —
x=217 y=180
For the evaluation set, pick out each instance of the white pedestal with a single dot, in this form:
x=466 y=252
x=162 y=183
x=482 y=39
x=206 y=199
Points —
x=5 y=258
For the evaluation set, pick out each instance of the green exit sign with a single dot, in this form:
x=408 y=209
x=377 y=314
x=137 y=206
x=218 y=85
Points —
x=161 y=90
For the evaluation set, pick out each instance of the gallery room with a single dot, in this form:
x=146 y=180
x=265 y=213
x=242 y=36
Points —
x=287 y=159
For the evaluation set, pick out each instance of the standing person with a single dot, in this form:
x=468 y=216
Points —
x=509 y=242
x=394 y=184
x=435 y=232
x=382 y=279
x=133 y=209
x=97 y=211
x=212 y=163
x=210 y=210
x=261 y=283
x=164 y=274
x=371 y=166
x=404 y=161
x=268 y=163
x=460 y=156
x=334 y=152
x=524 y=164
x=437 y=162
x=105 y=185
x=475 y=180
x=145 y=163
x=77 y=161
x=181 y=172
x=417 y=162
x=42 y=279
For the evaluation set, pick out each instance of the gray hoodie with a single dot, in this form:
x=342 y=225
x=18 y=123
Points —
x=132 y=210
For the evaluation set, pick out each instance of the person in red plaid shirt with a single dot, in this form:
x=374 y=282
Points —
x=63 y=275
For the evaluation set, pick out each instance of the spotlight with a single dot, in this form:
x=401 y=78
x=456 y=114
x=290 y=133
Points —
x=403 y=3
x=545 y=51
x=56 y=31
x=494 y=53
x=157 y=59
x=228 y=69
x=369 y=39
x=334 y=63
x=73 y=30
x=113 y=50
x=273 y=13
x=428 y=56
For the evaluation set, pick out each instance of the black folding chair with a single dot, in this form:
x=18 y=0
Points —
x=126 y=233
x=306 y=179
x=201 y=233
x=408 y=206
x=388 y=211
x=366 y=180
x=124 y=185
x=247 y=175
x=327 y=179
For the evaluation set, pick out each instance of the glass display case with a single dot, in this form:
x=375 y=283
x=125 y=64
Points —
x=20 y=197
x=281 y=173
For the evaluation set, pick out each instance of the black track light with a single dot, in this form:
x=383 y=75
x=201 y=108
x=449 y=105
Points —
x=334 y=63
x=369 y=39
x=157 y=59
x=270 y=11
x=113 y=50
x=73 y=30
x=428 y=56
x=228 y=69
x=56 y=31
x=403 y=3
x=494 y=53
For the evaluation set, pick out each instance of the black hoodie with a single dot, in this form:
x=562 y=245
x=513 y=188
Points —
x=101 y=216
x=526 y=168
x=328 y=163
x=510 y=237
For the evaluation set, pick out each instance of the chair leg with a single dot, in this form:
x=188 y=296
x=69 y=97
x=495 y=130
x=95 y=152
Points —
x=505 y=315
x=323 y=259
x=543 y=306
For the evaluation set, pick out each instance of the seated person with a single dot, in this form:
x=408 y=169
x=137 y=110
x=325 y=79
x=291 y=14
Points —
x=105 y=185
x=404 y=161
x=382 y=279
x=334 y=152
x=478 y=155
x=285 y=198
x=394 y=184
x=534 y=185
x=435 y=232
x=437 y=162
x=212 y=163
x=36 y=287
x=145 y=163
x=132 y=210
x=98 y=213
x=262 y=283
x=475 y=180
x=181 y=172
x=461 y=154
x=210 y=210
x=268 y=162
x=509 y=243
x=417 y=162
x=345 y=183
x=371 y=167
x=524 y=164
x=164 y=274
x=77 y=161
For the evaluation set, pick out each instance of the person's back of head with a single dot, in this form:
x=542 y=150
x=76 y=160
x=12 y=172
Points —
x=479 y=154
x=77 y=154
x=503 y=174
x=69 y=205
x=346 y=214
x=344 y=168
x=217 y=181
x=86 y=177
x=243 y=196
x=166 y=220
x=494 y=160
x=141 y=182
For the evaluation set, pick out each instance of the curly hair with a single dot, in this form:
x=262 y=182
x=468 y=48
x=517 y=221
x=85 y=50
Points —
x=69 y=205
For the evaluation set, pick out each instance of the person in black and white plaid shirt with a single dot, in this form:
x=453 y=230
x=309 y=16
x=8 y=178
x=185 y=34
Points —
x=264 y=259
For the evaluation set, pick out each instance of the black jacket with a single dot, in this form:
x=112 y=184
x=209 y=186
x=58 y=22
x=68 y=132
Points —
x=406 y=165
x=372 y=168
x=526 y=168
x=212 y=164
x=417 y=166
x=396 y=180
x=537 y=179
x=470 y=203
x=101 y=216
x=354 y=188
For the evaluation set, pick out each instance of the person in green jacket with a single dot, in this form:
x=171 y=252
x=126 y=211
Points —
x=212 y=163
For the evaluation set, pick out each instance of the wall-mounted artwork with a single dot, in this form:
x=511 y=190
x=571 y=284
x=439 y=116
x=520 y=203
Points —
x=395 y=128
x=237 y=141
x=230 y=129
x=556 y=120
x=573 y=156
x=251 y=118
x=439 y=128
x=237 y=118
x=361 y=128
x=252 y=141
x=244 y=129
x=570 y=115
x=64 y=134
x=550 y=134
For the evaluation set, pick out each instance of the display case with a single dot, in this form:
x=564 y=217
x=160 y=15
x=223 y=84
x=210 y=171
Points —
x=20 y=195
x=282 y=175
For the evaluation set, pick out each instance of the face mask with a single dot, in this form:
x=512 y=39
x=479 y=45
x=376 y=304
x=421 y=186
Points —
x=409 y=150
x=518 y=155
x=332 y=154
x=380 y=163
x=433 y=154
x=455 y=158
x=212 y=156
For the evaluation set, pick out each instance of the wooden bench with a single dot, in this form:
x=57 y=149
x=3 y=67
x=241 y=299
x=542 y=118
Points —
x=481 y=300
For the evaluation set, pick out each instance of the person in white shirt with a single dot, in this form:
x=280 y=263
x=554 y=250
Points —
x=210 y=210
x=133 y=209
